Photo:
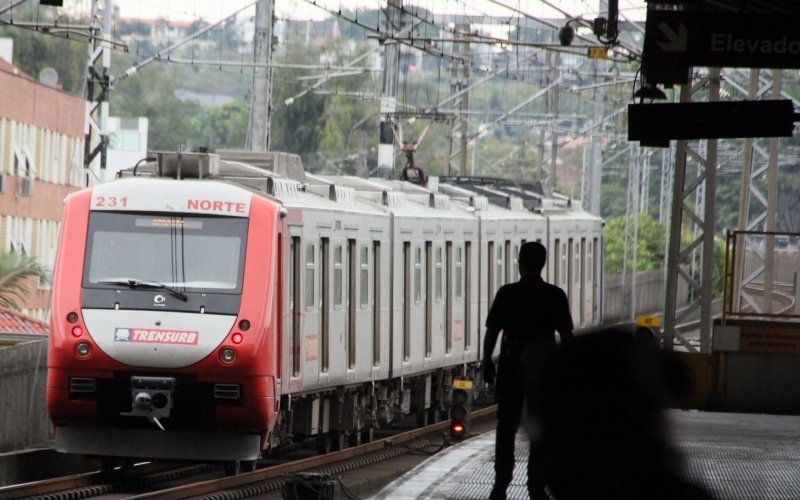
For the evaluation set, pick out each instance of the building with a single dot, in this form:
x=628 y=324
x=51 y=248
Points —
x=127 y=143
x=41 y=162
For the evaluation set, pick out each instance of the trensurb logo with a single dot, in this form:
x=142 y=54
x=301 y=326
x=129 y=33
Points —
x=122 y=335
x=151 y=336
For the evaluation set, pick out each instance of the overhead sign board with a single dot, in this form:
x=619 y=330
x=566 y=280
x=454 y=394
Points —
x=691 y=38
x=710 y=120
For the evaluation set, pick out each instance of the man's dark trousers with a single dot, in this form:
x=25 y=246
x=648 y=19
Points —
x=510 y=397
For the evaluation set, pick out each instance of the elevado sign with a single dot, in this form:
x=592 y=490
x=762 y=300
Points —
x=722 y=39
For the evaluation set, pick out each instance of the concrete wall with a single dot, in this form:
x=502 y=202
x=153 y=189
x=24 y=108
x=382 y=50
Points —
x=23 y=379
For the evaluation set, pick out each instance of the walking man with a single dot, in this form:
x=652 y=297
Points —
x=528 y=313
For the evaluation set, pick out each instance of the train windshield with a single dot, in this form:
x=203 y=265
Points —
x=195 y=253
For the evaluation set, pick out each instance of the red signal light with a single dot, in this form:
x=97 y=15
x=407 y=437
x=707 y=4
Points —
x=458 y=429
x=237 y=338
x=77 y=331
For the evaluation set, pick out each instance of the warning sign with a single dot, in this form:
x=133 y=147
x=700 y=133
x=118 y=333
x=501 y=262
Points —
x=769 y=340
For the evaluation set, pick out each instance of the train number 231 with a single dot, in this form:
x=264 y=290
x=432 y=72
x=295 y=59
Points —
x=111 y=201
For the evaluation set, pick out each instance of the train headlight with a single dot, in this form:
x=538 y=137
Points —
x=77 y=331
x=227 y=355
x=83 y=349
x=72 y=317
x=244 y=325
x=237 y=338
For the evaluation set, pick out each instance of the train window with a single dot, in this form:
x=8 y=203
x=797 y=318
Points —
x=351 y=304
x=364 y=270
x=196 y=253
x=515 y=260
x=428 y=298
x=310 y=291
x=324 y=286
x=557 y=263
x=418 y=275
x=439 y=273
x=583 y=281
x=509 y=259
x=490 y=284
x=376 y=303
x=406 y=301
x=459 y=270
x=570 y=272
x=296 y=308
x=499 y=268
x=467 y=295
x=448 y=304
x=564 y=264
x=337 y=276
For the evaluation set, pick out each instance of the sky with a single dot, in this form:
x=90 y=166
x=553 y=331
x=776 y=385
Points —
x=212 y=10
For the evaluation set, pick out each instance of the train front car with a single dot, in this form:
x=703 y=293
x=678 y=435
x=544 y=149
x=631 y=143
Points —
x=163 y=326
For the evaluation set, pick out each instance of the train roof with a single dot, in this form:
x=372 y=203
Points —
x=282 y=176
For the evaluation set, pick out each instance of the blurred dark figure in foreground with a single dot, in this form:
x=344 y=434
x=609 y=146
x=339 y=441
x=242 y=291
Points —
x=600 y=430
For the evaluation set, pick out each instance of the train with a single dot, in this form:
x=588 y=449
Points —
x=218 y=306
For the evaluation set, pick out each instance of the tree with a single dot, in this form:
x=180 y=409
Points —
x=650 y=244
x=15 y=271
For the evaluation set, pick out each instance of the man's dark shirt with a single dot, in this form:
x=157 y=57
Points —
x=528 y=312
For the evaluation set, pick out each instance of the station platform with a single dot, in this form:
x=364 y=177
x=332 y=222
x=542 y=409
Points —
x=735 y=456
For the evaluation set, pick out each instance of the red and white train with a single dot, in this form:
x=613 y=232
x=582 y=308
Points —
x=209 y=309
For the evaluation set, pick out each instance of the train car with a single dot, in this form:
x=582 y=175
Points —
x=214 y=309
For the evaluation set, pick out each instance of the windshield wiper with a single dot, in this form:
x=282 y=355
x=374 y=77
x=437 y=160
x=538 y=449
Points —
x=132 y=283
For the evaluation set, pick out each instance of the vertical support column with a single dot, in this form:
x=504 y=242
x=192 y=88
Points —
x=95 y=146
x=629 y=256
x=258 y=132
x=772 y=202
x=463 y=83
x=391 y=71
x=593 y=164
x=683 y=212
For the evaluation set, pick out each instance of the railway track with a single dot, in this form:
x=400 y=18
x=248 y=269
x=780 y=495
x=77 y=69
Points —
x=171 y=481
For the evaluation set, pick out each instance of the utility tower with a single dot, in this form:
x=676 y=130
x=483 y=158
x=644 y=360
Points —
x=95 y=145
x=391 y=67
x=258 y=131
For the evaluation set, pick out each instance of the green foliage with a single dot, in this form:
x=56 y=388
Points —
x=650 y=244
x=225 y=126
x=15 y=271
x=33 y=52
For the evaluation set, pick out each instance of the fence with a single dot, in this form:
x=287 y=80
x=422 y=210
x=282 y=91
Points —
x=650 y=293
x=23 y=379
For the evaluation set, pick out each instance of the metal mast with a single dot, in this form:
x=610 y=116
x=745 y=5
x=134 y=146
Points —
x=700 y=178
x=258 y=133
x=391 y=66
x=95 y=145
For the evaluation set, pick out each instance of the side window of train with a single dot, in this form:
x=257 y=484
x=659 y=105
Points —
x=459 y=272
x=337 y=276
x=515 y=260
x=438 y=273
x=499 y=268
x=417 y=275
x=364 y=277
x=310 y=268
